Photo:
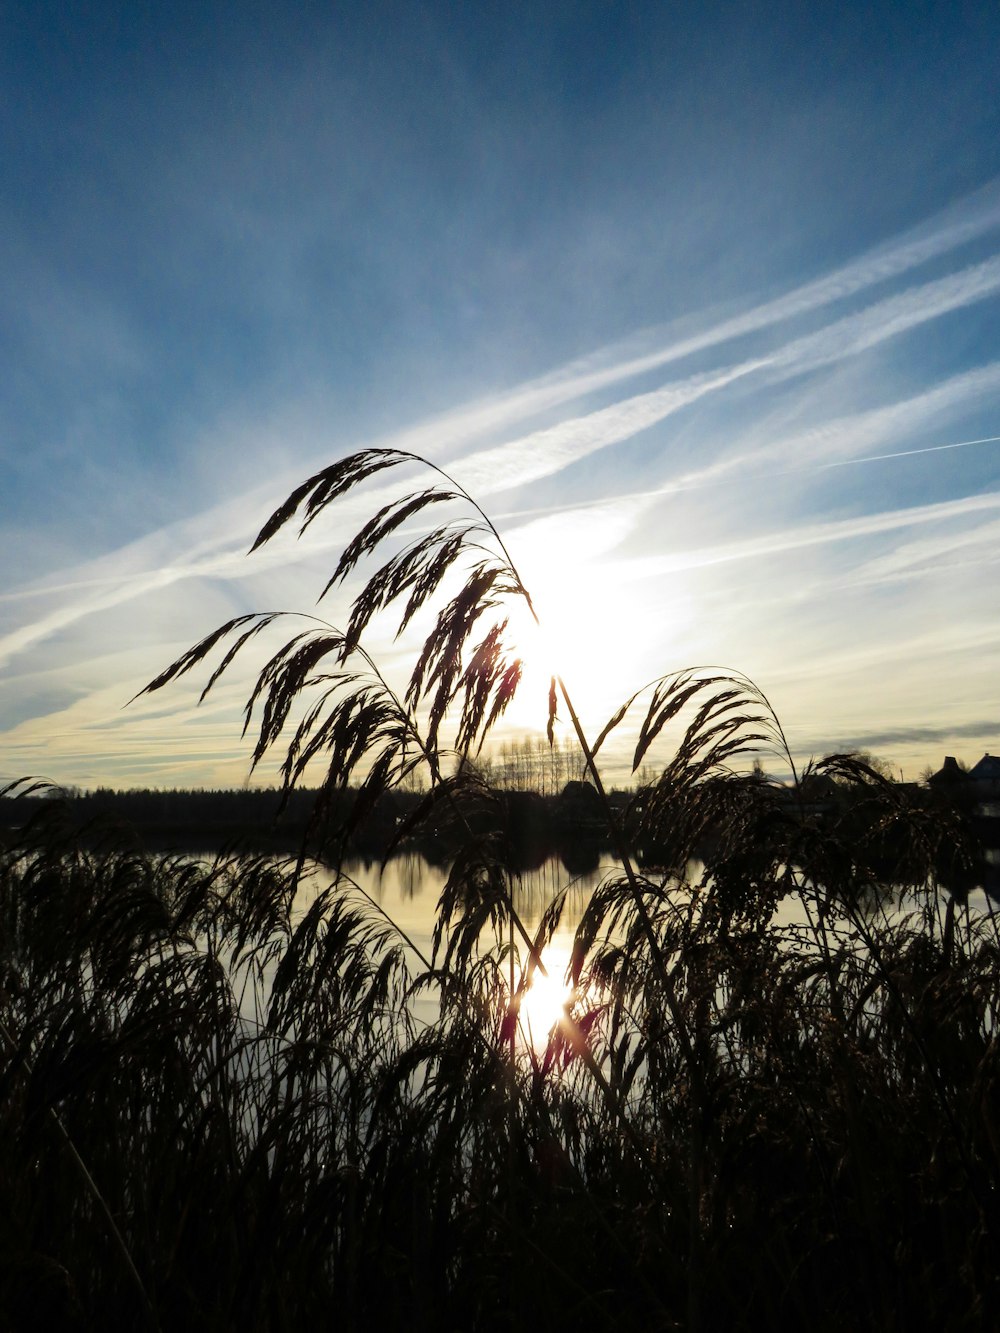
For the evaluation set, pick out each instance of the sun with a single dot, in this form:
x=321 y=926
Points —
x=603 y=625
x=544 y=1003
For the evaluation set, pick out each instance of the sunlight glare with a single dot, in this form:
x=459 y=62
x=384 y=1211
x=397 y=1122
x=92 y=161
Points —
x=543 y=1004
x=591 y=607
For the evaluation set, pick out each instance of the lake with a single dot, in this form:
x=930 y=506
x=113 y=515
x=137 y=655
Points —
x=408 y=887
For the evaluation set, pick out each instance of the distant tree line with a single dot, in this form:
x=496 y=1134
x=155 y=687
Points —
x=531 y=764
x=216 y=813
x=265 y=817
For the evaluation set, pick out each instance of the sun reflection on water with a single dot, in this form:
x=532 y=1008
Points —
x=543 y=1004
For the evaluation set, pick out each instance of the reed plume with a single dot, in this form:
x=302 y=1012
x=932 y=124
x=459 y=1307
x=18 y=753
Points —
x=778 y=1065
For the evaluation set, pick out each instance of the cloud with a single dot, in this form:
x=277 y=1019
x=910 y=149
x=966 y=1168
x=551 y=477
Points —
x=548 y=451
x=841 y=440
x=545 y=452
x=815 y=534
x=980 y=729
x=948 y=231
x=723 y=410
x=888 y=318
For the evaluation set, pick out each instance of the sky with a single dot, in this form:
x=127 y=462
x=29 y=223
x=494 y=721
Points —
x=700 y=303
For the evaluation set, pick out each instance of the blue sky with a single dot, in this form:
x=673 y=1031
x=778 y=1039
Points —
x=703 y=306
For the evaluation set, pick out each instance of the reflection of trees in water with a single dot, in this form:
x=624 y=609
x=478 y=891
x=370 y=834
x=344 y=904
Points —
x=418 y=880
x=411 y=871
x=581 y=857
x=409 y=876
x=536 y=889
x=982 y=875
x=973 y=868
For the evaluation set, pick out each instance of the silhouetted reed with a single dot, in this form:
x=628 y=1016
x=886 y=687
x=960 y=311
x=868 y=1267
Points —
x=773 y=1099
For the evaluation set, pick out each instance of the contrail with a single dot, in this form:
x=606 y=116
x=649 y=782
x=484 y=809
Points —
x=903 y=453
x=677 y=488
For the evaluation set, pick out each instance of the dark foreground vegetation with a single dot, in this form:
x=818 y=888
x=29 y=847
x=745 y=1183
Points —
x=772 y=1103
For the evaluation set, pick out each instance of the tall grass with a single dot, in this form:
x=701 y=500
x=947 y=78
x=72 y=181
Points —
x=772 y=1102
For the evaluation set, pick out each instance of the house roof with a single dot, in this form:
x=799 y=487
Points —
x=988 y=768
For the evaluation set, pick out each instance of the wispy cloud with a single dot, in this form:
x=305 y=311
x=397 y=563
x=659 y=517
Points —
x=816 y=534
x=888 y=318
x=845 y=439
x=939 y=236
x=546 y=452
x=163 y=588
x=980 y=729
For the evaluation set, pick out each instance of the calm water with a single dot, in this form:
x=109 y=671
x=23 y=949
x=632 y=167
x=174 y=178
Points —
x=408 y=888
x=407 y=891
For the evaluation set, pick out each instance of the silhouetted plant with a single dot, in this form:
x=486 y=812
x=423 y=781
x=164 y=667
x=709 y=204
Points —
x=773 y=1099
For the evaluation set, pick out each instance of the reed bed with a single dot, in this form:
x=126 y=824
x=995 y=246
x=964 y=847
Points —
x=772 y=1099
